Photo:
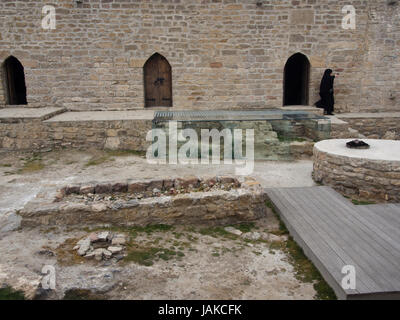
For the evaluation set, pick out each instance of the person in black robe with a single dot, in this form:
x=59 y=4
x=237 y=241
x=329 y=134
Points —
x=327 y=101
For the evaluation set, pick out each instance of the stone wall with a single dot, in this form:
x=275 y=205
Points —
x=358 y=178
x=224 y=54
x=215 y=207
x=376 y=128
x=37 y=135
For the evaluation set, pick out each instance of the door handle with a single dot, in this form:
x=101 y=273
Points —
x=159 y=81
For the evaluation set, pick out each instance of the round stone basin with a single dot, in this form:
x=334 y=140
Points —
x=370 y=174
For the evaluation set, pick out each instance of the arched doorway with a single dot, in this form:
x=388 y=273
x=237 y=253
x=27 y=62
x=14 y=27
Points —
x=157 y=82
x=14 y=81
x=296 y=80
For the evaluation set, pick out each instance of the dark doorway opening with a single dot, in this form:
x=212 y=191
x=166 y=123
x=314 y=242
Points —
x=15 y=81
x=157 y=82
x=296 y=80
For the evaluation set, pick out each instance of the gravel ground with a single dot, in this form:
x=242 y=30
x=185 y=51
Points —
x=212 y=266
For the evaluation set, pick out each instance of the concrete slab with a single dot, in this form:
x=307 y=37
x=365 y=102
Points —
x=104 y=116
x=312 y=109
x=28 y=113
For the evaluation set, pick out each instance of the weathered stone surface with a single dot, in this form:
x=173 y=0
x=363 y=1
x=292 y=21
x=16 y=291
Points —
x=114 y=249
x=254 y=236
x=84 y=247
x=137 y=187
x=212 y=207
x=86 y=189
x=233 y=231
x=103 y=188
x=120 y=187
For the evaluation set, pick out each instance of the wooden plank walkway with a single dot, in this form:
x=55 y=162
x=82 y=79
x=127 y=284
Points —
x=334 y=233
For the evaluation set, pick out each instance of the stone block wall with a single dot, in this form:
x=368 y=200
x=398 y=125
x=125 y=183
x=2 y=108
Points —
x=358 y=178
x=223 y=53
x=376 y=128
x=39 y=135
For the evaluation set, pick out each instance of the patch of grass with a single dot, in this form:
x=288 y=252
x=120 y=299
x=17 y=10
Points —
x=9 y=293
x=216 y=232
x=32 y=164
x=66 y=256
x=361 y=202
x=147 y=256
x=82 y=294
x=6 y=165
x=246 y=227
x=306 y=271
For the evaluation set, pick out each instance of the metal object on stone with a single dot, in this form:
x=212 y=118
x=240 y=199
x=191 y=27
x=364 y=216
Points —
x=357 y=144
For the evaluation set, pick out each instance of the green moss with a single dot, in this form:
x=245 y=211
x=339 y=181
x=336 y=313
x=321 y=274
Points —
x=9 y=293
x=216 y=232
x=361 y=203
x=32 y=164
x=246 y=227
x=306 y=271
x=146 y=256
x=6 y=165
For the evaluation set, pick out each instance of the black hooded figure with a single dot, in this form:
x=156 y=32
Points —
x=326 y=92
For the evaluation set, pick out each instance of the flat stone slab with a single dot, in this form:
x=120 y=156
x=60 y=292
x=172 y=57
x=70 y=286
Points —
x=104 y=116
x=29 y=113
x=383 y=150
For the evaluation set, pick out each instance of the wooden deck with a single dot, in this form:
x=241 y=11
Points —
x=334 y=233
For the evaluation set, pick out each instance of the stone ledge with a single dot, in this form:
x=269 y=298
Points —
x=217 y=207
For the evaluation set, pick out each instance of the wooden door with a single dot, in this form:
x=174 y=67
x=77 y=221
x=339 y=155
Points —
x=157 y=82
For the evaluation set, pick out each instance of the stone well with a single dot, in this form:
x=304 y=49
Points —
x=370 y=174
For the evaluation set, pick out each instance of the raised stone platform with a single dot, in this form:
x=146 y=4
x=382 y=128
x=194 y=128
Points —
x=366 y=174
x=21 y=114
x=189 y=200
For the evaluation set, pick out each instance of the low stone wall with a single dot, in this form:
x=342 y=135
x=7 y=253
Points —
x=375 y=127
x=36 y=135
x=215 y=207
x=364 y=179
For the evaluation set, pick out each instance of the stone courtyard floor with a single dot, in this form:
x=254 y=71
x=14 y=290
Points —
x=200 y=262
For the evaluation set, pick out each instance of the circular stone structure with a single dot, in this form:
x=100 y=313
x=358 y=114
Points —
x=372 y=173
